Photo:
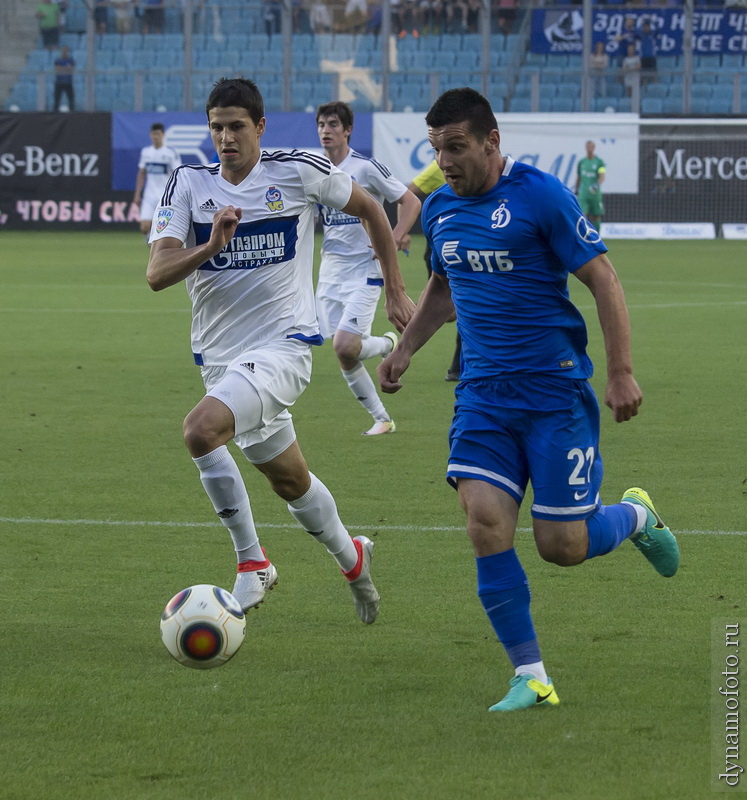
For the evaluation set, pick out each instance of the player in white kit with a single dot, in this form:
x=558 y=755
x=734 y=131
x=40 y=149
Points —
x=350 y=278
x=241 y=234
x=157 y=161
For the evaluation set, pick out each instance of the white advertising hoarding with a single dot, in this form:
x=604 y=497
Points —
x=553 y=143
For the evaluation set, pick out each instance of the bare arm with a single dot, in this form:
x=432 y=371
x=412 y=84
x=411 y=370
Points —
x=169 y=263
x=399 y=307
x=622 y=395
x=139 y=185
x=408 y=208
x=433 y=310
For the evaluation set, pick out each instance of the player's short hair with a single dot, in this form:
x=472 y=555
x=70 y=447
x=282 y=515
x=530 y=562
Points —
x=463 y=105
x=342 y=110
x=240 y=92
x=157 y=126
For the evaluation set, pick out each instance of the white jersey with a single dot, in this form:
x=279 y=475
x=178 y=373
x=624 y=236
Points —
x=259 y=287
x=158 y=163
x=345 y=235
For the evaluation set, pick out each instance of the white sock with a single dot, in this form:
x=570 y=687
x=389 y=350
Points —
x=641 y=514
x=225 y=487
x=363 y=388
x=536 y=670
x=317 y=513
x=375 y=346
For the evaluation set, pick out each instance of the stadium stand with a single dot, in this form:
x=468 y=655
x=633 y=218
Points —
x=144 y=72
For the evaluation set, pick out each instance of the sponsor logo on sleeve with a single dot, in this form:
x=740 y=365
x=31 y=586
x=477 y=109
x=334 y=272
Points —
x=164 y=217
x=586 y=231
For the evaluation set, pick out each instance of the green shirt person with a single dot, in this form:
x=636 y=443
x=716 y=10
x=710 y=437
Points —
x=589 y=178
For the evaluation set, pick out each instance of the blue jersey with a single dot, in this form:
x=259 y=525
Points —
x=507 y=255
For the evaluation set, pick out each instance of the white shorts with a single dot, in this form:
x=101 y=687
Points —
x=352 y=311
x=258 y=388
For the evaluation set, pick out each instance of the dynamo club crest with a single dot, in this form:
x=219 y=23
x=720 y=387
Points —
x=274 y=199
x=163 y=219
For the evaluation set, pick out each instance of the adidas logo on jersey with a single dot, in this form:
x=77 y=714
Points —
x=248 y=365
x=209 y=205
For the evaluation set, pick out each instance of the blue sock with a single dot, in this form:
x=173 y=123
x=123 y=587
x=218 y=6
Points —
x=608 y=527
x=503 y=590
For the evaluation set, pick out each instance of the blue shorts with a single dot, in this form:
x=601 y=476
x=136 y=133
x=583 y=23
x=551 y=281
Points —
x=557 y=450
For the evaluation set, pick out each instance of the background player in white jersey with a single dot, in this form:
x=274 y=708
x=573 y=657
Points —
x=241 y=234
x=350 y=280
x=505 y=237
x=157 y=162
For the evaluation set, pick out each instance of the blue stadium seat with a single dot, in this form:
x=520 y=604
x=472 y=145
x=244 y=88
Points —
x=652 y=105
x=723 y=91
x=72 y=40
x=719 y=105
x=498 y=42
x=40 y=59
x=106 y=59
x=536 y=59
x=699 y=105
x=520 y=104
x=710 y=61
x=548 y=91
x=656 y=90
x=109 y=41
x=569 y=90
x=565 y=104
x=132 y=41
x=75 y=19
x=732 y=60
x=701 y=91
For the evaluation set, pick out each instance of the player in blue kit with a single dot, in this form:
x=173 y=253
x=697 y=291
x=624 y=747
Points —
x=505 y=236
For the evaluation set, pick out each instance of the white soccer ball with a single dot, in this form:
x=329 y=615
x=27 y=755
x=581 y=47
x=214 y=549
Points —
x=203 y=626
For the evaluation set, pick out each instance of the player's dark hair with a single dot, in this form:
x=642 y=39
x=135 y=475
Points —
x=239 y=92
x=342 y=110
x=463 y=105
x=157 y=126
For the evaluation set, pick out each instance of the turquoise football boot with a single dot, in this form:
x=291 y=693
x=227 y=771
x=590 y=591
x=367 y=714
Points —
x=655 y=541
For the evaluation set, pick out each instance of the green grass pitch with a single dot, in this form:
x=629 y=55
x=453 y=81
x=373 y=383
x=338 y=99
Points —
x=102 y=520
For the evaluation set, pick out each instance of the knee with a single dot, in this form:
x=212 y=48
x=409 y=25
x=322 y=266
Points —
x=347 y=351
x=564 y=553
x=200 y=435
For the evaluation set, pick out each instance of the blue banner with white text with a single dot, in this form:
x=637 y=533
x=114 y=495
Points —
x=715 y=31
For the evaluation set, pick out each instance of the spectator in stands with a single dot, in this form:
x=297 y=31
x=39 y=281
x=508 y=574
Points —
x=321 y=19
x=456 y=15
x=403 y=18
x=599 y=62
x=474 y=7
x=647 y=49
x=631 y=70
x=506 y=16
x=101 y=16
x=272 y=15
x=626 y=38
x=373 y=25
x=153 y=15
x=48 y=14
x=64 y=67
x=356 y=15
x=301 y=17
x=123 y=13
